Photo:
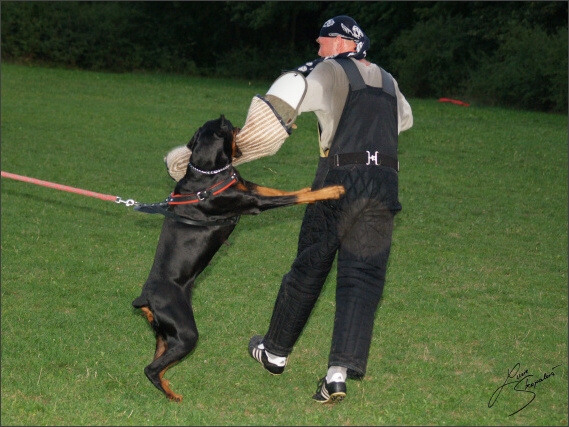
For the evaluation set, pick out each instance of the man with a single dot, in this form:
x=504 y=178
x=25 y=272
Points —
x=360 y=113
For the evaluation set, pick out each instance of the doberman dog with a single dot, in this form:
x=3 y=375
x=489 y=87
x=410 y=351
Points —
x=201 y=213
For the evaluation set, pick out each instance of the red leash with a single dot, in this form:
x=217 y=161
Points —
x=146 y=208
x=61 y=187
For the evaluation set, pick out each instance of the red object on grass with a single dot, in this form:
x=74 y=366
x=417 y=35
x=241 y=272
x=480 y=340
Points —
x=454 y=101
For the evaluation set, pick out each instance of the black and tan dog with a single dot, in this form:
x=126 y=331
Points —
x=201 y=214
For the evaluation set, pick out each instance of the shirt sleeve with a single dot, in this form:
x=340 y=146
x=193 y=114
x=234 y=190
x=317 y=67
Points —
x=317 y=98
x=325 y=96
x=404 y=113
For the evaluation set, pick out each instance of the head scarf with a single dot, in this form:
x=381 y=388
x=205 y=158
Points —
x=347 y=28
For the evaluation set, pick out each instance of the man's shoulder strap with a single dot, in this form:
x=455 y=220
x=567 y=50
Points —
x=351 y=70
x=387 y=81
x=357 y=81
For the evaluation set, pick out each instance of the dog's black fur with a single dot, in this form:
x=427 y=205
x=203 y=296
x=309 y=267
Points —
x=184 y=251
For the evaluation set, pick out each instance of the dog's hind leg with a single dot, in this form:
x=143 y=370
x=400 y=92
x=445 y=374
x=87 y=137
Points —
x=166 y=387
x=161 y=347
x=167 y=355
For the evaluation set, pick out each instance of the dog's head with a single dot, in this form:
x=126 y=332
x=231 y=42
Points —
x=213 y=145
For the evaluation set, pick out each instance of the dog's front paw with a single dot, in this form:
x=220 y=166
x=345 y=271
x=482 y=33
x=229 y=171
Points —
x=337 y=191
x=331 y=192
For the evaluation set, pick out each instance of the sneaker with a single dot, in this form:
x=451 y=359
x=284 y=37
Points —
x=330 y=392
x=257 y=352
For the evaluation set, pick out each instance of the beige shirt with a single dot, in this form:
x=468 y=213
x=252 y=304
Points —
x=327 y=92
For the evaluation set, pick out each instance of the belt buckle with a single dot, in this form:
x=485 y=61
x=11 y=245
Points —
x=373 y=158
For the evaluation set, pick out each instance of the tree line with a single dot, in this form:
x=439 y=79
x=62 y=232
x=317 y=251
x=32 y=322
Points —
x=511 y=54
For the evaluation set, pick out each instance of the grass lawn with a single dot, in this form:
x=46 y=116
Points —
x=476 y=288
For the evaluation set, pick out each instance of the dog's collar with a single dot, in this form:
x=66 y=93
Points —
x=209 y=172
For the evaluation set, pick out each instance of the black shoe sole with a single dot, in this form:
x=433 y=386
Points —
x=334 y=398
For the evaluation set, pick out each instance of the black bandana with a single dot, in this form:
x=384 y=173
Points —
x=347 y=28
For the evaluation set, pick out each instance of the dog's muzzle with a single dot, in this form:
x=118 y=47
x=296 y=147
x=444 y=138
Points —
x=268 y=124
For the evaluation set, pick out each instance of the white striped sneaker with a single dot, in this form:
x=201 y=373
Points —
x=257 y=352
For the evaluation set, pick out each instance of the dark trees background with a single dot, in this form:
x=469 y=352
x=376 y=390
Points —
x=496 y=53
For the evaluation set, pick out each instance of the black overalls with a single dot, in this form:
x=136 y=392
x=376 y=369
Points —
x=358 y=227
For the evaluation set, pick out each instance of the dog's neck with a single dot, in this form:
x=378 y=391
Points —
x=213 y=172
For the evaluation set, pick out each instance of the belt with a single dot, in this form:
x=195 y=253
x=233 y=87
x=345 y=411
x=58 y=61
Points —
x=185 y=199
x=161 y=208
x=364 y=158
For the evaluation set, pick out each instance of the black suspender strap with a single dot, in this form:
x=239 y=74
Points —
x=357 y=81
x=351 y=70
x=387 y=81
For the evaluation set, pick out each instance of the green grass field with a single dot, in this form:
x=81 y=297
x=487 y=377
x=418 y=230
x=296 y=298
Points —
x=477 y=280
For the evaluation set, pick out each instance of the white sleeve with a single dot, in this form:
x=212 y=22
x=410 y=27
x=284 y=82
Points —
x=404 y=113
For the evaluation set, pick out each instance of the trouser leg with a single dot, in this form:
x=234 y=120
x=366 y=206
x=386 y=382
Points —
x=301 y=286
x=362 y=265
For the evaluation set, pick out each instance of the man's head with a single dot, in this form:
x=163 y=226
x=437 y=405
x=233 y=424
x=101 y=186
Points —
x=342 y=34
x=330 y=46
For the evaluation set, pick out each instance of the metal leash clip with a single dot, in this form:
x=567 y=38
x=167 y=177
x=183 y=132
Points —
x=129 y=202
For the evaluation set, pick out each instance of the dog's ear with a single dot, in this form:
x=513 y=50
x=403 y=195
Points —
x=224 y=124
x=192 y=141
